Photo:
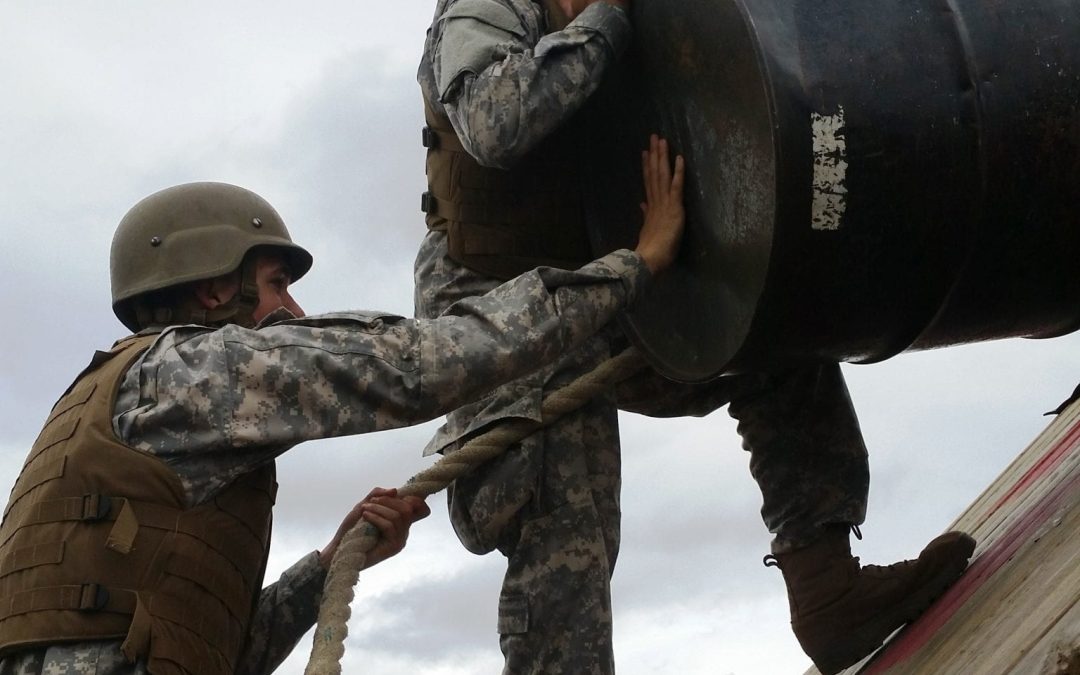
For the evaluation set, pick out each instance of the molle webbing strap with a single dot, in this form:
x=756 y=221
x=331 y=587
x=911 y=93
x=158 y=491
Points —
x=221 y=632
x=56 y=433
x=32 y=556
x=93 y=508
x=526 y=221
x=503 y=222
x=222 y=586
x=88 y=508
x=81 y=597
x=102 y=544
x=225 y=586
x=53 y=431
x=200 y=615
x=46 y=471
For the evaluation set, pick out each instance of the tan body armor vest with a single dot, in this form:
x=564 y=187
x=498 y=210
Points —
x=97 y=542
x=504 y=222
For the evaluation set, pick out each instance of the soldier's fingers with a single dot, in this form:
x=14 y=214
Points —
x=405 y=511
x=678 y=179
x=391 y=542
x=646 y=176
x=664 y=168
x=395 y=510
x=388 y=523
x=654 y=167
x=420 y=509
x=380 y=492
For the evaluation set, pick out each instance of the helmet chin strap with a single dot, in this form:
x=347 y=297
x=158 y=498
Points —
x=239 y=309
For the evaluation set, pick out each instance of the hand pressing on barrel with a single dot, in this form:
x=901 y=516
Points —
x=665 y=217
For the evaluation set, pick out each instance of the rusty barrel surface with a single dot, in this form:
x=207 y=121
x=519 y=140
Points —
x=865 y=178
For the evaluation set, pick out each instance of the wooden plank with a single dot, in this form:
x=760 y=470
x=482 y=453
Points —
x=1017 y=608
x=1013 y=607
x=1058 y=653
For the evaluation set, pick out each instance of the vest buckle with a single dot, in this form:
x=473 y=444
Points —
x=429 y=138
x=427 y=203
x=95 y=507
x=93 y=598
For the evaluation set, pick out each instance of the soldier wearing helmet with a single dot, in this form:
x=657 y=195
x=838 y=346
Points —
x=191 y=233
x=136 y=535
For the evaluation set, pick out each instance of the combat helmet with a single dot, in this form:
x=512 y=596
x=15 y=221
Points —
x=190 y=232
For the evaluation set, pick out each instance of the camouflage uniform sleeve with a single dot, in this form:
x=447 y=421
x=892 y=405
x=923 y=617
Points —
x=461 y=349
x=216 y=404
x=505 y=87
x=286 y=610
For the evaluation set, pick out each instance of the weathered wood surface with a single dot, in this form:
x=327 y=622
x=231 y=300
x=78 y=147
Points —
x=1016 y=609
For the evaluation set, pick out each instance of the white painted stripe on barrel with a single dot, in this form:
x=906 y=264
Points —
x=830 y=170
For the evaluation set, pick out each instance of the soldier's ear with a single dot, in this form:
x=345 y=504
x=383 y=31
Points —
x=212 y=293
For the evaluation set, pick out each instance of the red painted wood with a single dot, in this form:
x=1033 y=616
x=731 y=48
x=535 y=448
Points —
x=985 y=566
x=1045 y=465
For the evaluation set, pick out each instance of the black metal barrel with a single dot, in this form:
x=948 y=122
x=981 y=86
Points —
x=865 y=177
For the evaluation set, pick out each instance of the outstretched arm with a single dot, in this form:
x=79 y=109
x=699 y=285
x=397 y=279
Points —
x=216 y=404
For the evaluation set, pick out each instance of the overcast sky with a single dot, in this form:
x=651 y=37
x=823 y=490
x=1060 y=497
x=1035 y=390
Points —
x=317 y=109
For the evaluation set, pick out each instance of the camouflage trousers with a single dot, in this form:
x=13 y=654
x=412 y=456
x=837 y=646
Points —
x=806 y=449
x=84 y=658
x=551 y=503
x=562 y=543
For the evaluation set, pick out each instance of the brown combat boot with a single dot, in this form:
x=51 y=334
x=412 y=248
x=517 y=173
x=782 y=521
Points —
x=841 y=612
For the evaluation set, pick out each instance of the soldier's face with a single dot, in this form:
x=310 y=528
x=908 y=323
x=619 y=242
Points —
x=273 y=276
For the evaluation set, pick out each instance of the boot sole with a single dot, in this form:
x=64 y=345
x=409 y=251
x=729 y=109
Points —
x=958 y=548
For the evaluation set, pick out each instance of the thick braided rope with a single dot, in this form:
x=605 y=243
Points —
x=332 y=627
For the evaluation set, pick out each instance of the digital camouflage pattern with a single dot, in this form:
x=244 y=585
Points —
x=504 y=81
x=551 y=504
x=800 y=428
x=86 y=658
x=292 y=607
x=215 y=404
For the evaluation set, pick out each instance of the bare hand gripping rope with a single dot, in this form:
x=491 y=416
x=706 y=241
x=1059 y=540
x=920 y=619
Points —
x=332 y=628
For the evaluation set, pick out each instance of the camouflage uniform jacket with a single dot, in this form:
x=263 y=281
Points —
x=506 y=82
x=215 y=404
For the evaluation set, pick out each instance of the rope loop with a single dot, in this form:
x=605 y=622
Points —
x=328 y=647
